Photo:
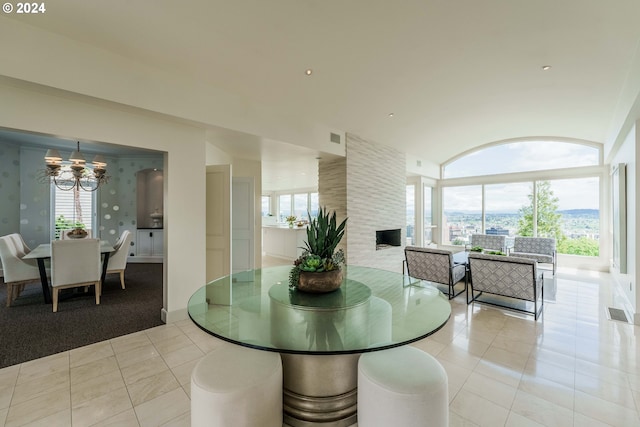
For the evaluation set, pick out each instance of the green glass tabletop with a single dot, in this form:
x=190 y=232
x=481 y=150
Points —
x=373 y=309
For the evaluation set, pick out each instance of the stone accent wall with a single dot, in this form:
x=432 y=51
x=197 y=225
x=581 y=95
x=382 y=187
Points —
x=376 y=192
x=332 y=191
x=368 y=187
x=376 y=187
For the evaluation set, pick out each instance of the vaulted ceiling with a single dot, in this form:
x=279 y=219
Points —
x=433 y=78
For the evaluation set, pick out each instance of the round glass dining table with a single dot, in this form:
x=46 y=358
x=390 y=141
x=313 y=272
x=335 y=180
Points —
x=319 y=336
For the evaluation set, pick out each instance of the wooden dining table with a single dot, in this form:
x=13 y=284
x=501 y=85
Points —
x=43 y=252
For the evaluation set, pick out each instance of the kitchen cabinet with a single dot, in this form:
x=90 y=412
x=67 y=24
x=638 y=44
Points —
x=283 y=242
x=150 y=243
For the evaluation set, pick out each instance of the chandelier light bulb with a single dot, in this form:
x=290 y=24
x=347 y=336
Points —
x=75 y=174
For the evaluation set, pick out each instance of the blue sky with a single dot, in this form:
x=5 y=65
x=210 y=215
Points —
x=523 y=156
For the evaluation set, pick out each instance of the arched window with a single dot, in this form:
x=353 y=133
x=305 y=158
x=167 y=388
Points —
x=522 y=156
x=567 y=203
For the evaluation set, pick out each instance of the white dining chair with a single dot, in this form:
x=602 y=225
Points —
x=20 y=244
x=22 y=249
x=75 y=263
x=17 y=272
x=118 y=258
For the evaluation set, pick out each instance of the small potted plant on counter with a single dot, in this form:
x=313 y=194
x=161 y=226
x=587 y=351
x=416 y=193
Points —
x=291 y=219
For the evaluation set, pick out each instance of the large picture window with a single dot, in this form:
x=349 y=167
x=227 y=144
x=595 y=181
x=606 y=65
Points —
x=502 y=207
x=462 y=214
x=301 y=205
x=564 y=205
x=266 y=205
x=72 y=208
x=411 y=213
x=298 y=205
x=284 y=206
x=427 y=210
x=566 y=209
x=576 y=206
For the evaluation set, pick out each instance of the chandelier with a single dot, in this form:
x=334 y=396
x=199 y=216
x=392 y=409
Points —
x=75 y=173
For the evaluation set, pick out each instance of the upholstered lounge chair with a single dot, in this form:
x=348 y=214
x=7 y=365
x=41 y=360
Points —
x=507 y=276
x=541 y=249
x=492 y=242
x=435 y=265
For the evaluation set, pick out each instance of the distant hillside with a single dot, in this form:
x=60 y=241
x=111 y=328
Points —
x=591 y=213
x=594 y=213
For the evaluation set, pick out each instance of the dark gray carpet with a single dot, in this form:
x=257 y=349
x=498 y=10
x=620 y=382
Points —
x=30 y=330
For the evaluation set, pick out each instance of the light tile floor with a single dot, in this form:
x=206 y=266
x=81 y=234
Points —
x=574 y=367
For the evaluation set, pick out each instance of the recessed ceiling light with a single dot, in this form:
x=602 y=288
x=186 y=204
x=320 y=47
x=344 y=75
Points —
x=390 y=114
x=546 y=67
x=308 y=71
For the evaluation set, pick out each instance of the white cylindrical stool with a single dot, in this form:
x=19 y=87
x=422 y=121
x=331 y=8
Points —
x=237 y=386
x=402 y=386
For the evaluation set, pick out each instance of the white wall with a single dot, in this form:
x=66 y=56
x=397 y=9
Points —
x=626 y=284
x=35 y=108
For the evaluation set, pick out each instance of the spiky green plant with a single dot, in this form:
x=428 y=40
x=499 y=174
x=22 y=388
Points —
x=323 y=234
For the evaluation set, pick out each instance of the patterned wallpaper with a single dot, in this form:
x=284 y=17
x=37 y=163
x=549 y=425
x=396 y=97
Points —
x=25 y=201
x=117 y=206
x=34 y=198
x=9 y=188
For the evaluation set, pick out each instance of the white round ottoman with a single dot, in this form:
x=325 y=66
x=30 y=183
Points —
x=402 y=386
x=237 y=386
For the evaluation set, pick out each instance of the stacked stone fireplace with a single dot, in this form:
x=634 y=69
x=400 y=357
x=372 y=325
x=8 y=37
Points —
x=369 y=188
x=386 y=239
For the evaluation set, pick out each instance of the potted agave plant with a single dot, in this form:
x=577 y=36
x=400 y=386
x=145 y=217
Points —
x=319 y=268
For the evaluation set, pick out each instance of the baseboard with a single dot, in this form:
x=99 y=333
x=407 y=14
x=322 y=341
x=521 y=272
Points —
x=146 y=259
x=174 y=316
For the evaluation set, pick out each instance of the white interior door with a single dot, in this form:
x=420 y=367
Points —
x=218 y=232
x=243 y=227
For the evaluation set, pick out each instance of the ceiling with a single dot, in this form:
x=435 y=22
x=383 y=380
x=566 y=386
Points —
x=454 y=74
x=66 y=145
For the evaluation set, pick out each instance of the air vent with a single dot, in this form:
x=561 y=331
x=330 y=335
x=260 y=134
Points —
x=617 y=314
x=335 y=138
